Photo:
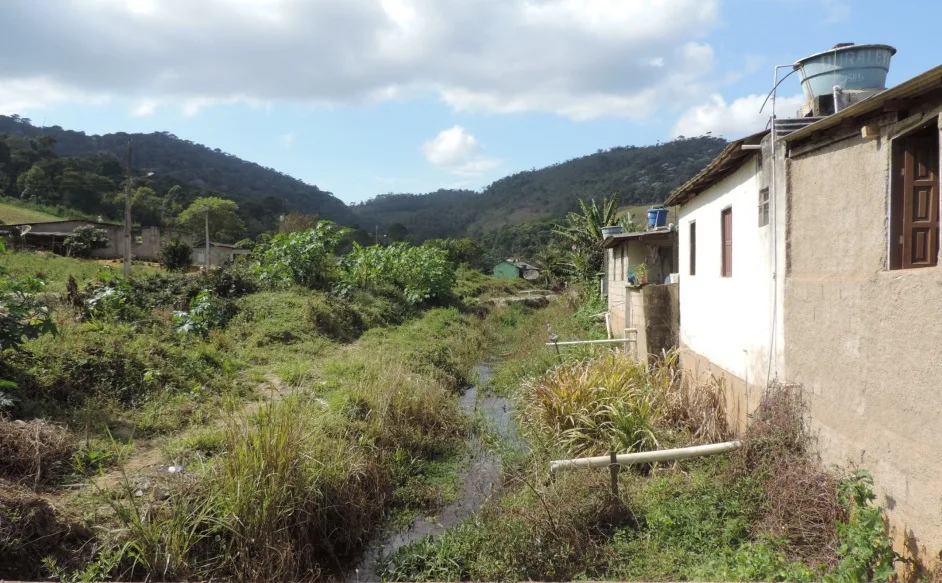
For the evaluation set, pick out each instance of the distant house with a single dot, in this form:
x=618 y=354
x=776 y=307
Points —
x=219 y=253
x=809 y=258
x=50 y=235
x=514 y=269
x=645 y=314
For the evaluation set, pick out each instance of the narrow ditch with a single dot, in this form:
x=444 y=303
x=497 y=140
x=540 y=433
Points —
x=480 y=476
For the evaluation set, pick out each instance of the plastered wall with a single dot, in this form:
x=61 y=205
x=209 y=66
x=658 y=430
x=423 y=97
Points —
x=864 y=342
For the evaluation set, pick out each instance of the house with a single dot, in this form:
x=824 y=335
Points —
x=809 y=258
x=644 y=314
x=219 y=254
x=50 y=235
x=513 y=269
x=863 y=330
x=727 y=257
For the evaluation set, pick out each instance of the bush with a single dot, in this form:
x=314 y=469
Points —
x=304 y=258
x=176 y=256
x=84 y=240
x=422 y=273
x=22 y=314
x=206 y=313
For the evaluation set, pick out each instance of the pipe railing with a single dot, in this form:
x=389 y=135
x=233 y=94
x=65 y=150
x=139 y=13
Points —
x=614 y=461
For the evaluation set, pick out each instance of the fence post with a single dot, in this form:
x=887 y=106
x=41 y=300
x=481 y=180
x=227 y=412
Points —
x=614 y=470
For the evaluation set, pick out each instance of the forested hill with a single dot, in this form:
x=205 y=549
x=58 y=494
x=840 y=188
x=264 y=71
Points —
x=640 y=174
x=191 y=165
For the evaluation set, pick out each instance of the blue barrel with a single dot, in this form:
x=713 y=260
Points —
x=657 y=217
x=849 y=66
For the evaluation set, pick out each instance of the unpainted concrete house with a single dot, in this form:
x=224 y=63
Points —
x=641 y=307
x=145 y=244
x=809 y=256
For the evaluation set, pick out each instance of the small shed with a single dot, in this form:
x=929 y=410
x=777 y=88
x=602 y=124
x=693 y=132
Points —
x=513 y=269
x=219 y=253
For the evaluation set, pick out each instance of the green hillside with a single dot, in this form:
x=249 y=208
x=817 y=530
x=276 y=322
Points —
x=11 y=214
x=641 y=175
x=195 y=167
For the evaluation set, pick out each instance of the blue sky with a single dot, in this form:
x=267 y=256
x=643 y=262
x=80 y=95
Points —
x=364 y=97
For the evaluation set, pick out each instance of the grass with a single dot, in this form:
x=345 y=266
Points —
x=307 y=424
x=55 y=270
x=17 y=213
x=767 y=513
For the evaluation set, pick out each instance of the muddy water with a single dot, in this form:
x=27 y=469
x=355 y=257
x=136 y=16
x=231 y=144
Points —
x=477 y=480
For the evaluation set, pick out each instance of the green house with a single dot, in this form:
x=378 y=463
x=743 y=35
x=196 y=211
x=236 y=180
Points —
x=506 y=270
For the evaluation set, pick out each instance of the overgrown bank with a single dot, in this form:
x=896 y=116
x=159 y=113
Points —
x=307 y=403
x=767 y=512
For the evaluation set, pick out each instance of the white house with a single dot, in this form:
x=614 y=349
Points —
x=730 y=240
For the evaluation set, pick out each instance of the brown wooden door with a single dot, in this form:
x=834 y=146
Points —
x=727 y=236
x=920 y=229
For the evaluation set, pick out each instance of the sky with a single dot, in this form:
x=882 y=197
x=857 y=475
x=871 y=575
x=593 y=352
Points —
x=365 y=97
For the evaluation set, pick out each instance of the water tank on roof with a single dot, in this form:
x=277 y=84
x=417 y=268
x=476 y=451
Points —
x=848 y=66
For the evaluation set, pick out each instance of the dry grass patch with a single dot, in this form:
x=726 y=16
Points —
x=33 y=451
x=615 y=403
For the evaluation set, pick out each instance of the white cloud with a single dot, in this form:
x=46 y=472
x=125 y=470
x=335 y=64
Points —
x=567 y=57
x=144 y=108
x=732 y=120
x=288 y=140
x=458 y=152
x=27 y=94
x=836 y=11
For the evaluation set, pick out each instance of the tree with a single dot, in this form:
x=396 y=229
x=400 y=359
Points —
x=35 y=185
x=295 y=221
x=84 y=240
x=583 y=233
x=397 y=232
x=224 y=222
x=176 y=256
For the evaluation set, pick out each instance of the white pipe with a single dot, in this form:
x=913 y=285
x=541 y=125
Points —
x=574 y=342
x=608 y=325
x=627 y=459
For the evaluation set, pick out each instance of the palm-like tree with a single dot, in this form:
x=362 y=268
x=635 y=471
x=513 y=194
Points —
x=583 y=233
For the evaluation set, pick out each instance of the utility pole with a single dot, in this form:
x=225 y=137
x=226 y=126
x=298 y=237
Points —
x=206 y=259
x=127 y=218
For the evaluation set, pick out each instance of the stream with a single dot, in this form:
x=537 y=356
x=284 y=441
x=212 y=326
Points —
x=476 y=481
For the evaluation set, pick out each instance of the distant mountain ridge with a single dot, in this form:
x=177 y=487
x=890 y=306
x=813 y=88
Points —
x=641 y=174
x=192 y=165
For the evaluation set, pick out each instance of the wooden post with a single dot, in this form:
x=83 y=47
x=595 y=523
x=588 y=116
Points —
x=614 y=470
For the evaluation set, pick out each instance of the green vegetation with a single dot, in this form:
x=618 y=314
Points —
x=176 y=256
x=84 y=240
x=768 y=512
x=85 y=172
x=15 y=213
x=639 y=174
x=307 y=417
x=222 y=216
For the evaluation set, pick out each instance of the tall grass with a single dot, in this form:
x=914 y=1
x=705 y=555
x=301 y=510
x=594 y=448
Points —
x=614 y=403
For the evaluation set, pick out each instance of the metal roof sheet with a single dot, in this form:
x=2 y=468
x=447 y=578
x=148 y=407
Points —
x=730 y=159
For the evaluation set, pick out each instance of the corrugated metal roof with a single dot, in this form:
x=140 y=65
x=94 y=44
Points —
x=931 y=79
x=730 y=159
x=638 y=235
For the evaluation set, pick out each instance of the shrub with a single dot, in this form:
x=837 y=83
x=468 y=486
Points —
x=84 y=240
x=176 y=256
x=334 y=318
x=22 y=314
x=206 y=313
x=303 y=258
x=422 y=273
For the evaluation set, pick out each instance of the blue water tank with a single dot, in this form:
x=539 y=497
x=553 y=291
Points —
x=657 y=217
x=848 y=66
